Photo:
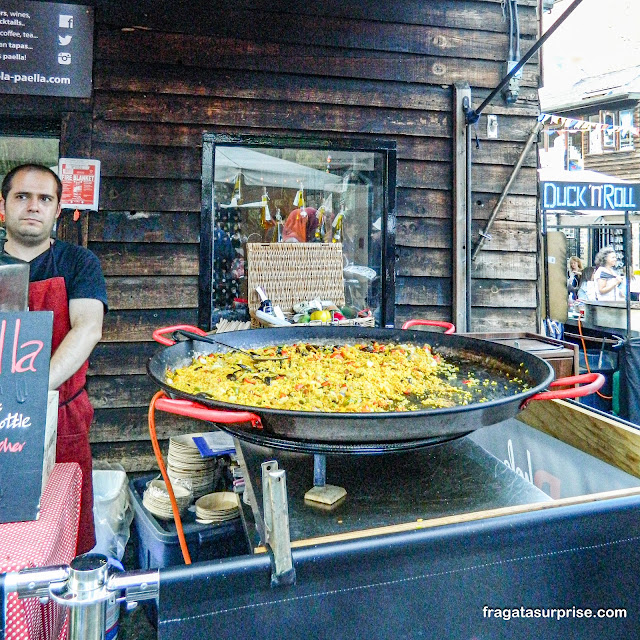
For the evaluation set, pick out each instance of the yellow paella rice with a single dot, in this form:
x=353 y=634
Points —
x=348 y=378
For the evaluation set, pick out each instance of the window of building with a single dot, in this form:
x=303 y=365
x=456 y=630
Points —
x=595 y=136
x=608 y=118
x=626 y=134
x=16 y=150
x=271 y=190
x=617 y=137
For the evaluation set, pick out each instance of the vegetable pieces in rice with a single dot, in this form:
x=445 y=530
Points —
x=359 y=378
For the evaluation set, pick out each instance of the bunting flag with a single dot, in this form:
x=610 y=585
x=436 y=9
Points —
x=583 y=125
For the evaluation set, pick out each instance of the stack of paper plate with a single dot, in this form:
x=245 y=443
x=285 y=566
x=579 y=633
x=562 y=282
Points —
x=186 y=463
x=217 y=507
x=156 y=499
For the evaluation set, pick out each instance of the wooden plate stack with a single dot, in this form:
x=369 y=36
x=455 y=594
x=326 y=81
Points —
x=185 y=463
x=156 y=499
x=217 y=507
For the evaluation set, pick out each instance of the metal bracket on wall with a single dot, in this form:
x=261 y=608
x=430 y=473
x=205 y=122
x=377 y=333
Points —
x=484 y=234
x=461 y=209
x=276 y=520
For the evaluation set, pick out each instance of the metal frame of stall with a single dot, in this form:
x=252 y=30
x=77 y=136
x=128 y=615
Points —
x=626 y=235
x=626 y=228
x=581 y=552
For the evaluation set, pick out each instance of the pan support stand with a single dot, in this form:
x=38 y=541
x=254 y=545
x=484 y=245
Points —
x=271 y=511
x=266 y=493
x=276 y=523
x=323 y=493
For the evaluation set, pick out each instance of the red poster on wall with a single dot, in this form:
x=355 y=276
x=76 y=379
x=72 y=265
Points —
x=80 y=183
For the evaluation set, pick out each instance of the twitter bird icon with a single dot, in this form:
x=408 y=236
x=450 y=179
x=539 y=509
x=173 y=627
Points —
x=64 y=40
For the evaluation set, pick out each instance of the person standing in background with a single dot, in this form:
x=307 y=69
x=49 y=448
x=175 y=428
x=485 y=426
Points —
x=587 y=287
x=608 y=280
x=574 y=276
x=66 y=279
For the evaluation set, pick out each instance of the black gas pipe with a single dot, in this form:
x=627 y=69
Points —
x=473 y=115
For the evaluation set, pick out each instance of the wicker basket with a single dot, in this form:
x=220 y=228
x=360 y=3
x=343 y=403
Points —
x=294 y=272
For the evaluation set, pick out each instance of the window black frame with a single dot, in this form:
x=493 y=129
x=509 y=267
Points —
x=384 y=146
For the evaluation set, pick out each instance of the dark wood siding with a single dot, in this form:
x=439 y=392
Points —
x=165 y=73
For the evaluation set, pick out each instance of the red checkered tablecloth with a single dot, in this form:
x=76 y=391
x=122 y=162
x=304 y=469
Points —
x=50 y=540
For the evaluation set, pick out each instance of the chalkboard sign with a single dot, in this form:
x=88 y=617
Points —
x=46 y=49
x=25 y=353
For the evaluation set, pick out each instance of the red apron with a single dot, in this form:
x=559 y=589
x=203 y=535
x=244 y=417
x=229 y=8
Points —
x=75 y=412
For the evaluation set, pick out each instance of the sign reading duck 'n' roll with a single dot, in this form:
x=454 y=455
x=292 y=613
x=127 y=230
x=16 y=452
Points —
x=587 y=196
x=25 y=354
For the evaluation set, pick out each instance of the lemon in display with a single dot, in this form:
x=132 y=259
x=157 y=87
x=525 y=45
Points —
x=323 y=316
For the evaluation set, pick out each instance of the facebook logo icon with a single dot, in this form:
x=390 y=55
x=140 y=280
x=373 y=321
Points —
x=65 y=22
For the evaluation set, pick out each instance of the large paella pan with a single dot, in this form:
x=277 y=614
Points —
x=484 y=360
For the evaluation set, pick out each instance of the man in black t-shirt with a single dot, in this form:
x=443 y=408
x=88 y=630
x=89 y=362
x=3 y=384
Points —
x=79 y=267
x=67 y=280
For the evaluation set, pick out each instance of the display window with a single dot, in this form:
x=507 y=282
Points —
x=298 y=192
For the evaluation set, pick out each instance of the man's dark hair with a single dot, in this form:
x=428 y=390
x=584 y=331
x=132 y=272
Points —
x=8 y=179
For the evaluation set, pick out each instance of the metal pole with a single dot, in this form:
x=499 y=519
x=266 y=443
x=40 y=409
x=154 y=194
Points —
x=460 y=197
x=505 y=191
x=545 y=260
x=267 y=468
x=87 y=596
x=469 y=208
x=627 y=265
x=85 y=587
x=474 y=115
x=283 y=571
x=319 y=470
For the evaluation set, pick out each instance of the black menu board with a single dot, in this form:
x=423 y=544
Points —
x=25 y=353
x=46 y=49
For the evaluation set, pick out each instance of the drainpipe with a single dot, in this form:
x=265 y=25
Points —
x=473 y=115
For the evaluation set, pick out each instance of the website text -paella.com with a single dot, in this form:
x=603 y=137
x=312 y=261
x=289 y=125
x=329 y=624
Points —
x=33 y=78
x=565 y=613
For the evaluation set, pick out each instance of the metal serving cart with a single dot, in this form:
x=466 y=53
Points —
x=428 y=542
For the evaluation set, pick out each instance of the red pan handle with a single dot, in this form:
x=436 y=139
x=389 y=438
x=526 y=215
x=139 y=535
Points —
x=450 y=328
x=197 y=411
x=158 y=334
x=592 y=382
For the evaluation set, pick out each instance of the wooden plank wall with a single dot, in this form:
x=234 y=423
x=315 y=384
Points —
x=165 y=73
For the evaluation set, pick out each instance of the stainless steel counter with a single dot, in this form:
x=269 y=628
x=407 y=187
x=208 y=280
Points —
x=597 y=329
x=612 y=315
x=446 y=480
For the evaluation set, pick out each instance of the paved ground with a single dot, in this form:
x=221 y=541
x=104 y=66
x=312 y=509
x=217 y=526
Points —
x=135 y=625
